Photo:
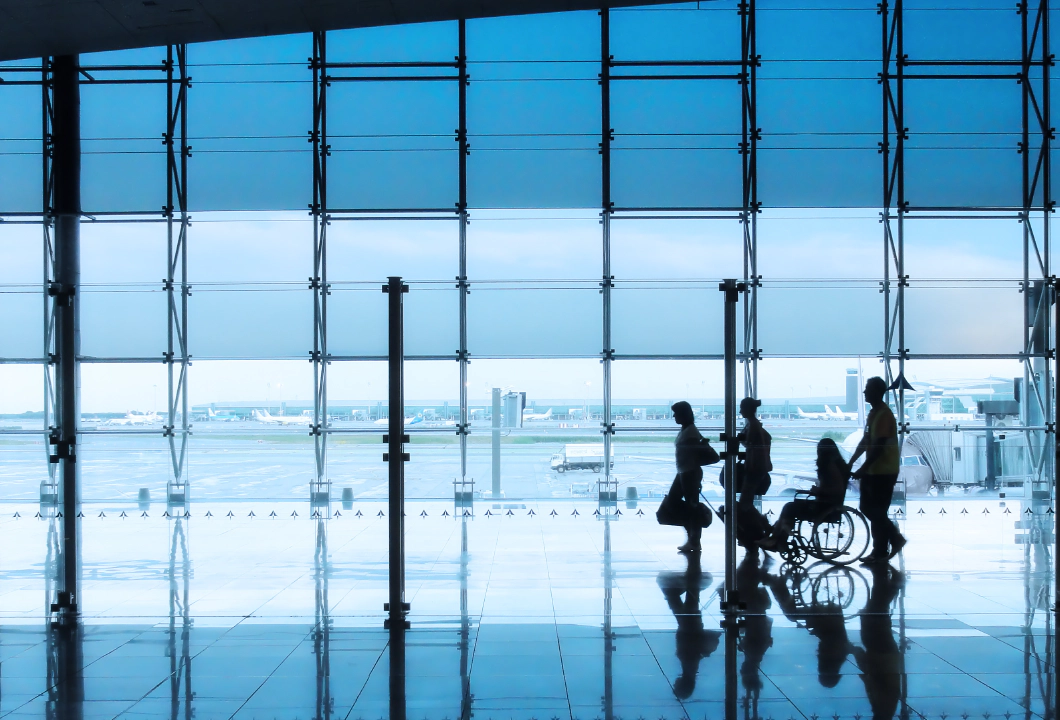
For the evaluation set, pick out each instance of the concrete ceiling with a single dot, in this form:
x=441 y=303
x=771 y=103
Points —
x=34 y=28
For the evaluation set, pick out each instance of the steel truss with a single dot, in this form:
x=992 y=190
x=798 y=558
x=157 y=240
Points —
x=750 y=61
x=1031 y=71
x=177 y=289
x=51 y=389
x=319 y=282
x=179 y=649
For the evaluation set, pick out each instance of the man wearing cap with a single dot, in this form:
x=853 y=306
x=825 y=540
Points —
x=879 y=473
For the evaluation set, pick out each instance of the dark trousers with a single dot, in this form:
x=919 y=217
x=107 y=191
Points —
x=691 y=486
x=876 y=492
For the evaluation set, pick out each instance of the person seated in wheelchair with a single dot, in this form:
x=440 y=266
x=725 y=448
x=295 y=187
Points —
x=827 y=494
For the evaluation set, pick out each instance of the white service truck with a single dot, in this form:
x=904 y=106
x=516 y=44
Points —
x=581 y=456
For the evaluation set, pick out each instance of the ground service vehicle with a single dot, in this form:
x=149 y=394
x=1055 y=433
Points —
x=581 y=456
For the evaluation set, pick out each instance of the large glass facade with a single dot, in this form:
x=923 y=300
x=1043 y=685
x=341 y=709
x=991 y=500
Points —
x=563 y=194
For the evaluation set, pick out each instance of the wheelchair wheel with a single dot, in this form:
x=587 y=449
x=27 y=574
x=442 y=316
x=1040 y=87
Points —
x=836 y=586
x=793 y=551
x=842 y=541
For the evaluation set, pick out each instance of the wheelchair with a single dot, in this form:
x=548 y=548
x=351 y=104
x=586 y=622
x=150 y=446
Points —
x=839 y=536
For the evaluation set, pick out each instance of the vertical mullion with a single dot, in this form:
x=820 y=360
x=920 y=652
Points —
x=319 y=281
x=50 y=400
x=749 y=191
x=176 y=259
x=607 y=205
x=461 y=280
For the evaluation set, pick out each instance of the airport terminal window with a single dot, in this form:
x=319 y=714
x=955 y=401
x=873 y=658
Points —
x=534 y=242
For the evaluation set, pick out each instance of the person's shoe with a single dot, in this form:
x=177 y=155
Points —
x=873 y=559
x=768 y=543
x=896 y=546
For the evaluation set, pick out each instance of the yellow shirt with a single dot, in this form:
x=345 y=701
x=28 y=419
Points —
x=881 y=429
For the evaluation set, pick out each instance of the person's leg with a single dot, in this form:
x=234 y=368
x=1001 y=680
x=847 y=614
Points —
x=691 y=484
x=875 y=499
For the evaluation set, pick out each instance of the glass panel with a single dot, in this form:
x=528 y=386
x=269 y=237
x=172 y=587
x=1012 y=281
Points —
x=123 y=164
x=123 y=321
x=642 y=392
x=534 y=111
x=534 y=319
x=256 y=445
x=676 y=143
x=250 y=296
x=20 y=146
x=23 y=456
x=667 y=249
x=124 y=396
x=123 y=306
x=123 y=253
x=534 y=245
x=372 y=251
x=683 y=31
x=252 y=110
x=818 y=244
x=419 y=42
x=401 y=153
x=358 y=315
x=21 y=254
x=984 y=31
x=662 y=318
x=21 y=321
x=963 y=143
x=536 y=459
x=819 y=318
x=115 y=467
x=961 y=317
x=973 y=249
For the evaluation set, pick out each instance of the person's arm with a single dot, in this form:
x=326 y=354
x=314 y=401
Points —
x=859 y=449
x=876 y=447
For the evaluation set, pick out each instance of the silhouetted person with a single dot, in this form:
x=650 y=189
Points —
x=829 y=493
x=691 y=451
x=758 y=626
x=693 y=642
x=879 y=473
x=757 y=463
x=881 y=661
x=824 y=620
x=752 y=477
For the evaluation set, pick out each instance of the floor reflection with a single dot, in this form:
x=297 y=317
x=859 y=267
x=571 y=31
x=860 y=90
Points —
x=693 y=641
x=518 y=617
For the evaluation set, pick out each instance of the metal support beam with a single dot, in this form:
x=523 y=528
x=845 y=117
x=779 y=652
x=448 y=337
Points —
x=608 y=280
x=892 y=80
x=180 y=686
x=461 y=280
x=1035 y=147
x=318 y=283
x=66 y=169
x=396 y=457
x=749 y=63
x=176 y=283
x=732 y=290
x=322 y=630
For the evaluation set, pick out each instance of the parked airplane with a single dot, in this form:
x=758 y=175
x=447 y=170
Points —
x=135 y=418
x=414 y=420
x=838 y=414
x=814 y=415
x=537 y=416
x=221 y=416
x=265 y=417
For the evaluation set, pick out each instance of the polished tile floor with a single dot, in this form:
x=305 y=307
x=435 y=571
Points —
x=519 y=615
